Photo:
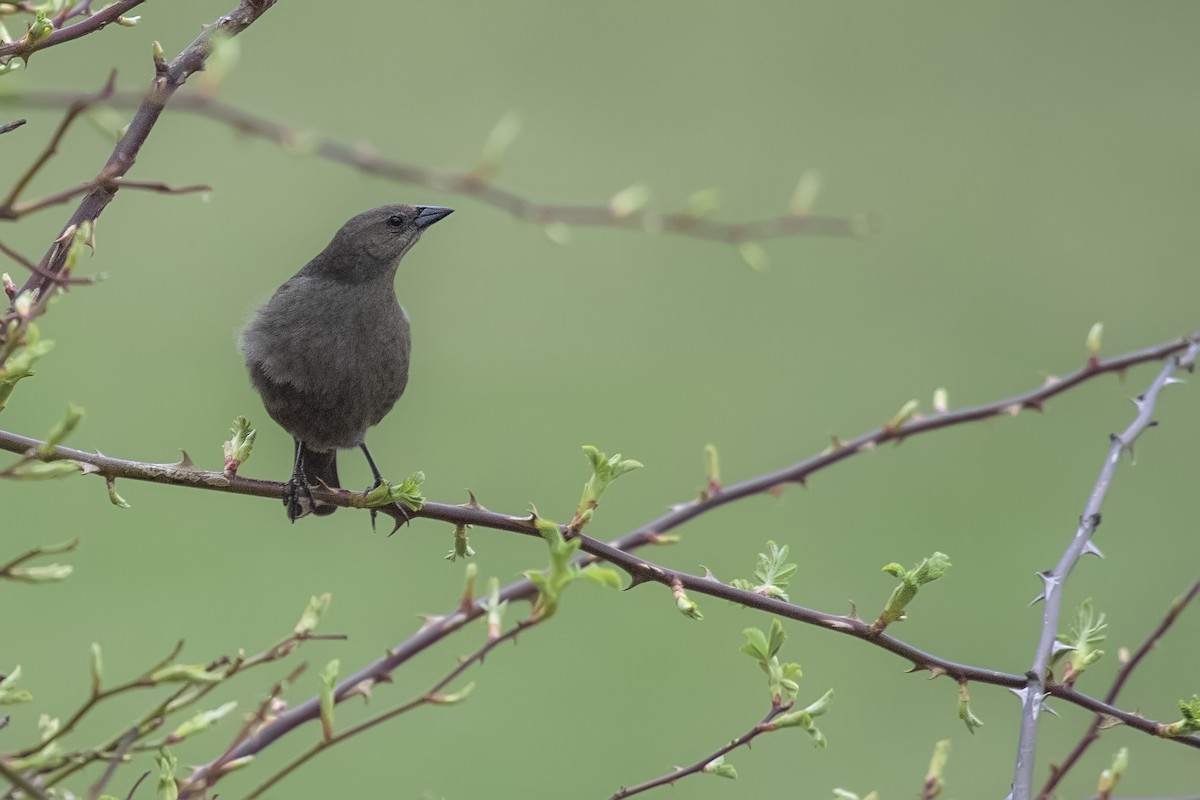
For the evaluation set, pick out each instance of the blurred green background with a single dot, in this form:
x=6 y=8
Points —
x=1032 y=169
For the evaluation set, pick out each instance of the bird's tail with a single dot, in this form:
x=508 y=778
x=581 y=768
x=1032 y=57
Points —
x=321 y=468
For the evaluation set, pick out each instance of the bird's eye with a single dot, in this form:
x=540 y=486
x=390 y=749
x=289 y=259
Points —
x=395 y=220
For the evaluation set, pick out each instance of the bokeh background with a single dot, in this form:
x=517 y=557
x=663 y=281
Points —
x=1031 y=169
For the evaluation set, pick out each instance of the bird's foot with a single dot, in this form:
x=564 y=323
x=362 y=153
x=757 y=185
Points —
x=297 y=497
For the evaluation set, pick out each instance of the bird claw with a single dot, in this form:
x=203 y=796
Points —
x=295 y=491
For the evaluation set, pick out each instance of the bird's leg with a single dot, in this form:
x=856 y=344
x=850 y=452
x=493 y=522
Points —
x=297 y=487
x=377 y=484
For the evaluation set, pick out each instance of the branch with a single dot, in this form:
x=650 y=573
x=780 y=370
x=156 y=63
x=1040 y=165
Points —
x=476 y=184
x=1033 y=694
x=430 y=697
x=103 y=17
x=1093 y=730
x=11 y=126
x=682 y=772
x=168 y=79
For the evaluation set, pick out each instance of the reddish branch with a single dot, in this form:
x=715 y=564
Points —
x=619 y=552
x=93 y=23
x=167 y=80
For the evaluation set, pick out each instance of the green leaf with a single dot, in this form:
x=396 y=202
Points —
x=316 y=607
x=329 y=679
x=408 y=493
x=1084 y=635
x=97 y=668
x=238 y=448
x=50 y=573
x=964 y=709
x=605 y=576
x=928 y=571
x=719 y=768
x=462 y=547
x=771 y=574
x=185 y=673
x=10 y=695
x=605 y=470
x=167 y=763
x=453 y=698
x=113 y=497
x=45 y=470
x=62 y=429
x=629 y=200
x=201 y=721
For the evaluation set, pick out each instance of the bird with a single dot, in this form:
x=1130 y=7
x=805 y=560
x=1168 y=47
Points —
x=329 y=351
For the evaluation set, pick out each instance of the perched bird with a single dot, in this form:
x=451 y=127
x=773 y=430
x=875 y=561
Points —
x=329 y=351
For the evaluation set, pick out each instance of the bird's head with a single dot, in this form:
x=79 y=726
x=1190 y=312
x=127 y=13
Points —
x=372 y=243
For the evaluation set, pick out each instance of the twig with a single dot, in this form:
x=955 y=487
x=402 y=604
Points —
x=76 y=108
x=28 y=555
x=19 y=781
x=1053 y=581
x=126 y=743
x=1092 y=734
x=166 y=82
x=429 y=697
x=12 y=126
x=475 y=184
x=59 y=280
x=136 y=784
x=698 y=767
x=92 y=24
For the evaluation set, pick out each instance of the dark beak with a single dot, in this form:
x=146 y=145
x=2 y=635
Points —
x=431 y=214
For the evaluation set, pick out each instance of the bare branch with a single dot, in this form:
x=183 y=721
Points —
x=475 y=184
x=11 y=126
x=1053 y=581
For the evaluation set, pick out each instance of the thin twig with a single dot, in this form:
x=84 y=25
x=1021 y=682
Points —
x=430 y=697
x=12 y=126
x=19 y=781
x=58 y=280
x=76 y=108
x=28 y=555
x=166 y=82
x=1092 y=734
x=93 y=23
x=475 y=183
x=1033 y=694
x=682 y=772
x=97 y=788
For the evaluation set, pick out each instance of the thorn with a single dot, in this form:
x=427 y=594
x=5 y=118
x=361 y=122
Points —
x=1172 y=380
x=1036 y=600
x=1035 y=405
x=708 y=574
x=635 y=579
x=1091 y=549
x=472 y=503
x=1060 y=647
x=853 y=610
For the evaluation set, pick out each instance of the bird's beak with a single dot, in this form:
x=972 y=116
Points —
x=431 y=214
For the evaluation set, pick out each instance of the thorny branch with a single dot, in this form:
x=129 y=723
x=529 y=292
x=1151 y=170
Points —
x=1034 y=692
x=1058 y=771
x=618 y=552
x=168 y=79
x=475 y=183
